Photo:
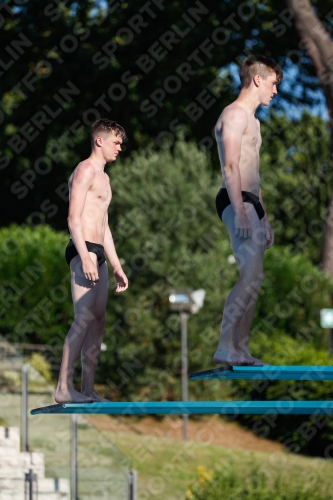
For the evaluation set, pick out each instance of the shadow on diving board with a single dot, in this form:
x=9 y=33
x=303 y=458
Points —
x=193 y=408
x=270 y=372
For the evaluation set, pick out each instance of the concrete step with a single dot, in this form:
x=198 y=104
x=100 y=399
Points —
x=53 y=496
x=15 y=465
x=53 y=485
x=48 y=488
x=10 y=438
x=8 y=495
x=13 y=486
x=17 y=473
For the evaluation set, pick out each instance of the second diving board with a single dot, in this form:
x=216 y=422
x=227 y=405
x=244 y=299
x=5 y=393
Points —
x=268 y=372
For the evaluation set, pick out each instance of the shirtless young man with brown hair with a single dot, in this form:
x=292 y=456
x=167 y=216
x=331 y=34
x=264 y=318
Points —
x=91 y=240
x=240 y=205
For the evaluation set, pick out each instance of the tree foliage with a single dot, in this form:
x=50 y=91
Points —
x=296 y=180
x=151 y=67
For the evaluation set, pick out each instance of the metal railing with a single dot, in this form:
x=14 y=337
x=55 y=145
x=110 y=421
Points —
x=74 y=450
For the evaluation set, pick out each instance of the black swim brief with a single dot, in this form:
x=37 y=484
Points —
x=96 y=248
x=223 y=200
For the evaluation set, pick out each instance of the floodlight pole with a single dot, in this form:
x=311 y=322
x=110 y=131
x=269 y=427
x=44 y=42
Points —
x=74 y=472
x=183 y=321
x=24 y=410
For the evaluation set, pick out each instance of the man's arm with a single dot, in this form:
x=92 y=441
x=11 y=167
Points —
x=268 y=230
x=234 y=124
x=82 y=180
x=110 y=252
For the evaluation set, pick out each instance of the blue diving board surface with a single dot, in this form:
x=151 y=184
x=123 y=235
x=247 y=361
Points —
x=283 y=407
x=268 y=372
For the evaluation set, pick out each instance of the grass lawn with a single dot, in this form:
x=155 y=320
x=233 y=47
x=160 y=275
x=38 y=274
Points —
x=165 y=467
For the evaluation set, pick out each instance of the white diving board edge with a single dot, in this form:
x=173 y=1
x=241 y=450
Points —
x=268 y=372
x=283 y=407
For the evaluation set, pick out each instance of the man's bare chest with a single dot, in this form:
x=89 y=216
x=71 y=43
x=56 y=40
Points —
x=252 y=136
x=101 y=190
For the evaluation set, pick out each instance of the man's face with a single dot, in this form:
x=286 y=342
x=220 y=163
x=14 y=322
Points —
x=111 y=146
x=268 y=89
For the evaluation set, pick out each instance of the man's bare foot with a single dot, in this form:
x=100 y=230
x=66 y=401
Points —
x=223 y=357
x=245 y=353
x=70 y=395
x=98 y=398
x=258 y=362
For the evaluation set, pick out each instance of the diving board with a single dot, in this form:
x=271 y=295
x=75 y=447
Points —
x=268 y=372
x=283 y=407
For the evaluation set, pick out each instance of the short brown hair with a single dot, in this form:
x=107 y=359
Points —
x=105 y=126
x=258 y=65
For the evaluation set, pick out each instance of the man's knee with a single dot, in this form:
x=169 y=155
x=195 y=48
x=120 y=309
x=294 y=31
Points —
x=253 y=270
x=255 y=282
x=83 y=320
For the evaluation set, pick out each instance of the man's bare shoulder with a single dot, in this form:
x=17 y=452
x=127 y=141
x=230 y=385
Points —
x=84 y=170
x=233 y=115
x=85 y=167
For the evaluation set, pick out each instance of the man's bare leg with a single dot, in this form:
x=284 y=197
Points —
x=240 y=304
x=241 y=340
x=242 y=334
x=92 y=344
x=84 y=295
x=244 y=325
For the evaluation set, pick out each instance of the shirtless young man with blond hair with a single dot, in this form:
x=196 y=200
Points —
x=91 y=240
x=240 y=205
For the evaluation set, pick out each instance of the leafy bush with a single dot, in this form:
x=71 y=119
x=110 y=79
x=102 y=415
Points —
x=34 y=285
x=38 y=361
x=294 y=291
x=255 y=486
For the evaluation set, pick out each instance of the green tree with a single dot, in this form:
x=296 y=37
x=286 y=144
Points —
x=315 y=35
x=152 y=68
x=296 y=180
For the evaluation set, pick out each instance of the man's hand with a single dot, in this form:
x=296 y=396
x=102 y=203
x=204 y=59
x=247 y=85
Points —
x=269 y=235
x=242 y=227
x=121 y=279
x=90 y=270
